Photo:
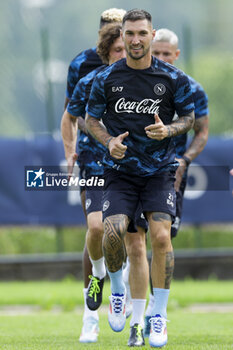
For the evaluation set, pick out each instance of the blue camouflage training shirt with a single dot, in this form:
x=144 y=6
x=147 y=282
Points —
x=200 y=100
x=91 y=152
x=80 y=66
x=129 y=98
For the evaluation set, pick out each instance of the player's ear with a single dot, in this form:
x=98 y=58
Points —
x=177 y=54
x=153 y=34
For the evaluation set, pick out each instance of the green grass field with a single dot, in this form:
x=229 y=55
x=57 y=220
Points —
x=46 y=331
x=57 y=325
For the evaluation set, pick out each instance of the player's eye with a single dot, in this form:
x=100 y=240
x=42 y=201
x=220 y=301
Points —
x=129 y=33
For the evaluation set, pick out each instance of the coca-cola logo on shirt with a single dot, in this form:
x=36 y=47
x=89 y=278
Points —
x=146 y=106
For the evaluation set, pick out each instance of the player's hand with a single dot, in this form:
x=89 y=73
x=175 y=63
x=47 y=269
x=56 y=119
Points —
x=71 y=160
x=179 y=173
x=116 y=148
x=157 y=131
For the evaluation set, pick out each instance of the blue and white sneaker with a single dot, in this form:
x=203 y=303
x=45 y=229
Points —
x=158 y=331
x=117 y=312
x=90 y=330
x=146 y=330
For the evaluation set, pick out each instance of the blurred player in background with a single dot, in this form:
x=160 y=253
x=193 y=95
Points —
x=165 y=48
x=79 y=67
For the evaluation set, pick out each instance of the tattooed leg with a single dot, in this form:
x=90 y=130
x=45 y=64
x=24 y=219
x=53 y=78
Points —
x=169 y=269
x=162 y=263
x=115 y=227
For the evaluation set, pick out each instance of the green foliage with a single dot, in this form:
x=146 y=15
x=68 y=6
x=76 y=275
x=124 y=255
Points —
x=215 y=73
x=22 y=108
x=66 y=295
x=35 y=240
x=204 y=237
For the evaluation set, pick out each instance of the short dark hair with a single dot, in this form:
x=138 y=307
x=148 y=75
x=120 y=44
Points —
x=107 y=36
x=135 y=15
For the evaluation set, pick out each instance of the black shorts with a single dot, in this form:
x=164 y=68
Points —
x=180 y=197
x=94 y=200
x=123 y=193
x=139 y=220
x=179 y=206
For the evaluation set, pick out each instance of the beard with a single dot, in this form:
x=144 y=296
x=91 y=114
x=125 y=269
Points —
x=136 y=58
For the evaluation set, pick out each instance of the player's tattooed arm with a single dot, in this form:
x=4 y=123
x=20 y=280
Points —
x=181 y=126
x=201 y=129
x=115 y=227
x=159 y=131
x=97 y=129
x=169 y=269
x=115 y=144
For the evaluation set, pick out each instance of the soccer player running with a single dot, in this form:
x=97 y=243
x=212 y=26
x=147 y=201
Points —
x=110 y=48
x=138 y=97
x=165 y=48
x=80 y=66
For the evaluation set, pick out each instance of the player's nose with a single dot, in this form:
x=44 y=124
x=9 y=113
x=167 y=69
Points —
x=135 y=39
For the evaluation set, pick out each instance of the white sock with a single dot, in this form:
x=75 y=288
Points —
x=150 y=305
x=87 y=312
x=138 y=312
x=98 y=268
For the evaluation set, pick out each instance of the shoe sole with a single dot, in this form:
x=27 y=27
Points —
x=88 y=341
x=117 y=329
x=156 y=345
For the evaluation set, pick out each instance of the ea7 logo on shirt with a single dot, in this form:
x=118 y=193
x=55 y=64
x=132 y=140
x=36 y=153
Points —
x=117 y=88
x=159 y=89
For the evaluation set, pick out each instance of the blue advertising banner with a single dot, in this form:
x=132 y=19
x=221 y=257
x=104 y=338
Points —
x=19 y=206
x=25 y=162
x=208 y=198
